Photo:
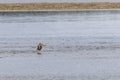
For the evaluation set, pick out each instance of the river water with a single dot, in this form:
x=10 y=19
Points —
x=79 y=45
x=60 y=31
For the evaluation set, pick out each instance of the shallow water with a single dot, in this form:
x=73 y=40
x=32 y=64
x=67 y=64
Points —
x=79 y=45
x=60 y=31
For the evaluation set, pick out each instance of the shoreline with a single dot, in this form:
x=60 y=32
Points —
x=72 y=6
x=59 y=10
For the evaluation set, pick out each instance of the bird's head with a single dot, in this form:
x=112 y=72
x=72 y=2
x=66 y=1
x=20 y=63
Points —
x=42 y=44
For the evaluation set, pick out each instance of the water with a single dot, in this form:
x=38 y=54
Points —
x=79 y=45
x=60 y=31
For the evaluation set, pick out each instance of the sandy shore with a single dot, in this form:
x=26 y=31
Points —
x=73 y=6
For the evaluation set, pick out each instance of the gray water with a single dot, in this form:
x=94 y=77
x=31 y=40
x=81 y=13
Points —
x=60 y=31
x=81 y=45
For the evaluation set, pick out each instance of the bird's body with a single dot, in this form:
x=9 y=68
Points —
x=39 y=48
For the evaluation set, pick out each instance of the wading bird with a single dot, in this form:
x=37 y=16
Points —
x=39 y=47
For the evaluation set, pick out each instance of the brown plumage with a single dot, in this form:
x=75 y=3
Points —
x=39 y=46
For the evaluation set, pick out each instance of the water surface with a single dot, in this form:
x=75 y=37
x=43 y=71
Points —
x=63 y=31
x=79 y=45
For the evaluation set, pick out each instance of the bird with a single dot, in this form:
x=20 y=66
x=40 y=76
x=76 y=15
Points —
x=39 y=47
